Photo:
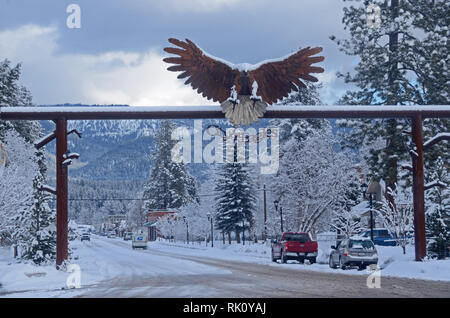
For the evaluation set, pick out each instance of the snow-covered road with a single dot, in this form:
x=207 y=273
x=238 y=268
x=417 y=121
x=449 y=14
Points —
x=110 y=268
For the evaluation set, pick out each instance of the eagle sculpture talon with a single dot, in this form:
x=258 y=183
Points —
x=244 y=90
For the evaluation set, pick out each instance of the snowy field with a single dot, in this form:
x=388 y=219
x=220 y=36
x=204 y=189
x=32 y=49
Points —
x=105 y=259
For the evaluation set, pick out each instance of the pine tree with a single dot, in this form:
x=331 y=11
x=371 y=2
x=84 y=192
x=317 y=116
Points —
x=13 y=94
x=345 y=220
x=300 y=128
x=170 y=185
x=438 y=212
x=235 y=200
x=31 y=217
x=396 y=67
x=40 y=246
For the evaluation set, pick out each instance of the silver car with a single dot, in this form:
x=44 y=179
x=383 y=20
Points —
x=358 y=251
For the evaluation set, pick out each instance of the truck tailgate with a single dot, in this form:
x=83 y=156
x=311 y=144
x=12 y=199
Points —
x=307 y=247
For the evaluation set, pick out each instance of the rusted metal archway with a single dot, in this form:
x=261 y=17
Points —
x=60 y=115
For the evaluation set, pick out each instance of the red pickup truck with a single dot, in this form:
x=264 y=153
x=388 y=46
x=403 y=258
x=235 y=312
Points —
x=296 y=246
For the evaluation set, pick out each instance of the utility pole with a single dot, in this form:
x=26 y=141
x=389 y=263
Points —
x=265 y=215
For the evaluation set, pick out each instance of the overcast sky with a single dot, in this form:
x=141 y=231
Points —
x=116 y=55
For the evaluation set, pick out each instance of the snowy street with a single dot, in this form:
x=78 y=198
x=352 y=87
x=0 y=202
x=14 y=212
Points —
x=110 y=268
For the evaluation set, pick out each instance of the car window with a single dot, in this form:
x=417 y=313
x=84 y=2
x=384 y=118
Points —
x=295 y=237
x=363 y=244
x=383 y=233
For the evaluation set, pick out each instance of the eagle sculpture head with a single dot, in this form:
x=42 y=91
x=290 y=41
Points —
x=244 y=90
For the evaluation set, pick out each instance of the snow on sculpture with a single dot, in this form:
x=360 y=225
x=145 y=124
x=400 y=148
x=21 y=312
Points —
x=244 y=90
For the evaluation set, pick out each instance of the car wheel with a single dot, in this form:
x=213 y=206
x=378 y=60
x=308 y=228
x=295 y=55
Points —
x=301 y=260
x=342 y=265
x=330 y=263
x=312 y=260
x=283 y=258
x=273 y=258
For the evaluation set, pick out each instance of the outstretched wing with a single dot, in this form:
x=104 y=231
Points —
x=277 y=79
x=211 y=78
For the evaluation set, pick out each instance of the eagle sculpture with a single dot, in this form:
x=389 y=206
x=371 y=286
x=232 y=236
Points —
x=244 y=90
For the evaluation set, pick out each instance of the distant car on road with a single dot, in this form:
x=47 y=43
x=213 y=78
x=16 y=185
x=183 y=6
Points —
x=85 y=237
x=128 y=236
x=111 y=235
x=294 y=246
x=381 y=237
x=357 y=251
x=140 y=240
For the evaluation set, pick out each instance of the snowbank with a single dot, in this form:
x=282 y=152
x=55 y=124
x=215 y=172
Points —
x=391 y=259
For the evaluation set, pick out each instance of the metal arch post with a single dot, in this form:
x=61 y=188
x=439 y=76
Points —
x=418 y=189
x=62 y=219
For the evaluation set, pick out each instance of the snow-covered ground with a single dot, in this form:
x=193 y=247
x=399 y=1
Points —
x=99 y=260
x=392 y=262
x=105 y=259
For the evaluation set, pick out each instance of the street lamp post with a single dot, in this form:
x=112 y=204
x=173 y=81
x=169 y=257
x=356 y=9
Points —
x=243 y=232
x=281 y=213
x=371 y=190
x=187 y=229
x=212 y=233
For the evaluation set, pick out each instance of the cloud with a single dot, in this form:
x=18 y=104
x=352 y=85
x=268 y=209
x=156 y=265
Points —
x=199 y=5
x=114 y=77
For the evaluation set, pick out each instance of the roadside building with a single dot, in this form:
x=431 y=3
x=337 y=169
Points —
x=152 y=217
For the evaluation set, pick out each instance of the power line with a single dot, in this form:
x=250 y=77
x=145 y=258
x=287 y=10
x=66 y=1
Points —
x=140 y=199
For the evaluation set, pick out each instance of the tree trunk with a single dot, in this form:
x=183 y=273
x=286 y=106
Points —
x=238 y=237
x=229 y=238
x=223 y=238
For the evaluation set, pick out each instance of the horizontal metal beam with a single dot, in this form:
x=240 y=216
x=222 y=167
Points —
x=215 y=112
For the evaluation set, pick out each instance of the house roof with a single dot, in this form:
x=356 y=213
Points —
x=361 y=208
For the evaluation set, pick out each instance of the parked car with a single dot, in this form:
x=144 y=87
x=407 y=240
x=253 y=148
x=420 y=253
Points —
x=128 y=236
x=381 y=237
x=85 y=237
x=111 y=235
x=357 y=251
x=294 y=246
x=72 y=236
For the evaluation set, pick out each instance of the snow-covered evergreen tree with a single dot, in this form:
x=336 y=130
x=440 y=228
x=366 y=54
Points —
x=13 y=94
x=170 y=185
x=23 y=224
x=16 y=189
x=300 y=128
x=397 y=66
x=438 y=211
x=40 y=246
x=345 y=220
x=235 y=198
